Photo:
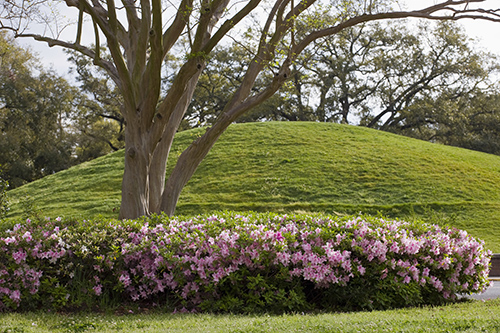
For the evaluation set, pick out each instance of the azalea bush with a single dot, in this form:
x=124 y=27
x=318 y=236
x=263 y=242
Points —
x=230 y=262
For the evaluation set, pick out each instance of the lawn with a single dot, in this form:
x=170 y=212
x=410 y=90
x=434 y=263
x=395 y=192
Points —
x=462 y=317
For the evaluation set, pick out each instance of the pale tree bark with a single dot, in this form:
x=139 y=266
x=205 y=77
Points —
x=140 y=34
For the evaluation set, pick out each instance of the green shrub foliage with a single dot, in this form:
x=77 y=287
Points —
x=238 y=263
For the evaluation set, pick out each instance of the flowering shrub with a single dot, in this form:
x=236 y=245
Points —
x=238 y=263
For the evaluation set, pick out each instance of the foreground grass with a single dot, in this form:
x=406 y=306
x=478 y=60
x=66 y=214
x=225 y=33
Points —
x=473 y=316
x=301 y=167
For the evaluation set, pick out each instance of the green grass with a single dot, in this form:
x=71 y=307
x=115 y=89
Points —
x=462 y=317
x=302 y=167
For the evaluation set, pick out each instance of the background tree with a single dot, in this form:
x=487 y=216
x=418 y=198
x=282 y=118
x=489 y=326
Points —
x=344 y=69
x=33 y=109
x=139 y=37
x=372 y=73
x=441 y=59
x=469 y=120
x=99 y=123
x=41 y=119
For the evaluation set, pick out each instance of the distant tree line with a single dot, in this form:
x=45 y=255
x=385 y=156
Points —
x=428 y=82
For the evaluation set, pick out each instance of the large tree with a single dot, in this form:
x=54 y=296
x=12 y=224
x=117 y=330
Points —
x=141 y=34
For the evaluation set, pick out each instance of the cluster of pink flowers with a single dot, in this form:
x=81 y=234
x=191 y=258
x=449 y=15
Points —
x=22 y=253
x=190 y=258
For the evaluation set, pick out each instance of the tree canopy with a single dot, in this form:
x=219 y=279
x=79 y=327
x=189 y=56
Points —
x=140 y=37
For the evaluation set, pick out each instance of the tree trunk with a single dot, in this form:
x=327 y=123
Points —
x=162 y=151
x=186 y=166
x=136 y=179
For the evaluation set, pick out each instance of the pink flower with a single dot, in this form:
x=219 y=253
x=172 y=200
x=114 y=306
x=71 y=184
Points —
x=9 y=240
x=16 y=296
x=283 y=258
x=395 y=247
x=125 y=279
x=27 y=236
x=98 y=289
x=361 y=270
x=19 y=256
x=346 y=265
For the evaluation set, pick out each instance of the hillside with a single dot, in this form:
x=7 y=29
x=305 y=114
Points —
x=311 y=167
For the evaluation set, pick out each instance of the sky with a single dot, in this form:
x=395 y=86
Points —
x=486 y=32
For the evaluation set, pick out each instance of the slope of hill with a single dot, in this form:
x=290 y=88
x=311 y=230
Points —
x=312 y=167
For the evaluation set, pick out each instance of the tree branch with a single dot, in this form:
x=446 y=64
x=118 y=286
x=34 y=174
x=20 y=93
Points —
x=229 y=24
x=106 y=65
x=426 y=13
x=173 y=33
x=152 y=76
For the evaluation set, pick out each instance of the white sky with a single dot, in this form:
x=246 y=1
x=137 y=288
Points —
x=486 y=32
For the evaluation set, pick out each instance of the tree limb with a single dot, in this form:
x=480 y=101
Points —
x=173 y=32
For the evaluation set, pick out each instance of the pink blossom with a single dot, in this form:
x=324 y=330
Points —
x=16 y=296
x=27 y=236
x=10 y=240
x=395 y=247
x=278 y=237
x=98 y=289
x=19 y=256
x=283 y=258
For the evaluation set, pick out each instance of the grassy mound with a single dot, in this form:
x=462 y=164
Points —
x=305 y=167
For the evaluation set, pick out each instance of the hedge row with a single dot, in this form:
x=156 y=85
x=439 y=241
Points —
x=238 y=263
